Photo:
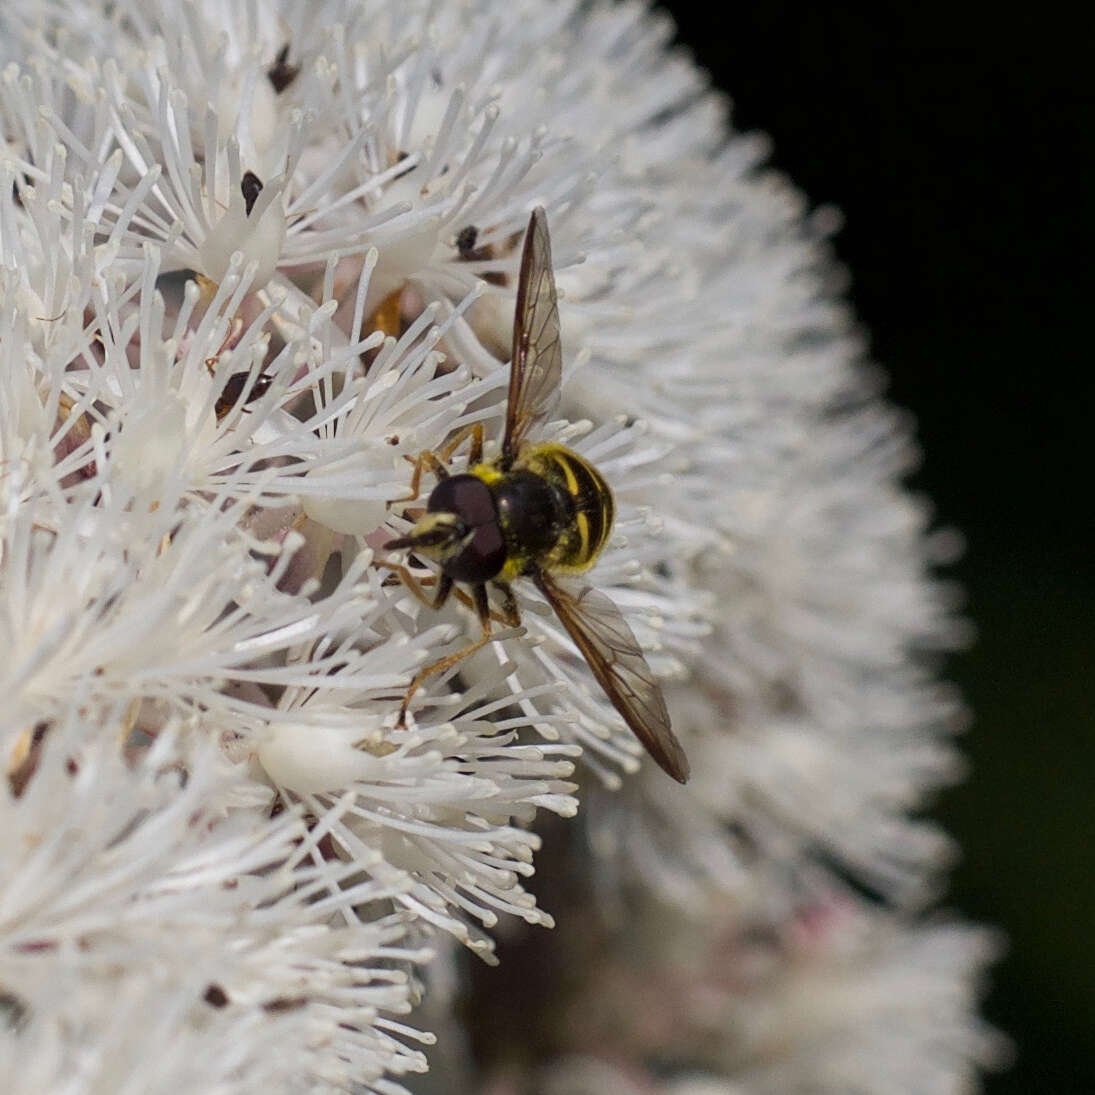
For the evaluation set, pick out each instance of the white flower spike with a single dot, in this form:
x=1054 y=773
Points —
x=256 y=259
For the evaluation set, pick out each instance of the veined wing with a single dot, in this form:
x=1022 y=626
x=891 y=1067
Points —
x=601 y=633
x=537 y=367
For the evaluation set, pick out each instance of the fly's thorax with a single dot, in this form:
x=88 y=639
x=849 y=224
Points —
x=534 y=514
x=587 y=505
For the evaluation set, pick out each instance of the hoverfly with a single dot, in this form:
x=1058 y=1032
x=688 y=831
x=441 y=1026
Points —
x=536 y=511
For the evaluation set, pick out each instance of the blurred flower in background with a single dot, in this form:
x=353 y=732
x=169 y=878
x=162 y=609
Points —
x=253 y=257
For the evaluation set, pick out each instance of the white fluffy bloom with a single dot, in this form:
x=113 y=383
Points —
x=254 y=258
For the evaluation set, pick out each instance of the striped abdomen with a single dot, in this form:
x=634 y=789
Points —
x=586 y=497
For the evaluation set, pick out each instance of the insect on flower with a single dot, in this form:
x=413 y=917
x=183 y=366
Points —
x=234 y=388
x=239 y=385
x=536 y=511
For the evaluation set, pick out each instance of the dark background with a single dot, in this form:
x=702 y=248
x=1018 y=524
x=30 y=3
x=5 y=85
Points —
x=956 y=142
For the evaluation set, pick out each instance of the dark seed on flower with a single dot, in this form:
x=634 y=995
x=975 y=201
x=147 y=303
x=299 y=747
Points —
x=24 y=763
x=281 y=74
x=251 y=186
x=17 y=188
x=465 y=241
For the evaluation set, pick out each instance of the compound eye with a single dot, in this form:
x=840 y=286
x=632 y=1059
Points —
x=470 y=501
x=467 y=496
x=481 y=558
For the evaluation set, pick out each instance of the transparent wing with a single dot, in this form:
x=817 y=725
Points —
x=537 y=368
x=607 y=644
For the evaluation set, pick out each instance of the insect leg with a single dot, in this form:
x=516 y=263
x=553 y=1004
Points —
x=417 y=587
x=482 y=609
x=437 y=461
x=475 y=450
x=511 y=615
x=444 y=588
x=425 y=459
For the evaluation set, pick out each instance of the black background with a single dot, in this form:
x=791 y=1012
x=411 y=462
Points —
x=956 y=142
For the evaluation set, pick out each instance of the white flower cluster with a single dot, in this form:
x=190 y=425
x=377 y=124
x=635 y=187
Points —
x=254 y=258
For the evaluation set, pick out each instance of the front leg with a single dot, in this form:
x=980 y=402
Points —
x=475 y=449
x=437 y=462
x=425 y=459
x=418 y=587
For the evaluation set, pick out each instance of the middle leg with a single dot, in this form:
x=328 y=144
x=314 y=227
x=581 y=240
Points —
x=510 y=614
x=442 y=665
x=418 y=586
